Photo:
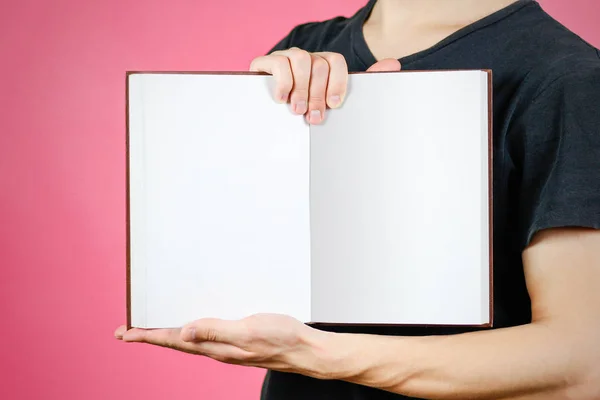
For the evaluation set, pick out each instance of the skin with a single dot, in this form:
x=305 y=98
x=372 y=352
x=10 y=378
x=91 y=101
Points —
x=556 y=356
x=311 y=82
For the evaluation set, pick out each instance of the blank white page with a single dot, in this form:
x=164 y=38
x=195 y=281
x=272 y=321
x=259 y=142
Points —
x=399 y=201
x=219 y=200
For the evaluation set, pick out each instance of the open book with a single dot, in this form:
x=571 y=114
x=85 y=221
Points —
x=380 y=215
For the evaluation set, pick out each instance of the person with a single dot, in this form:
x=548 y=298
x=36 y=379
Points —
x=544 y=344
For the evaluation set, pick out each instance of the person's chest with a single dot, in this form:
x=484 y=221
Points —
x=509 y=96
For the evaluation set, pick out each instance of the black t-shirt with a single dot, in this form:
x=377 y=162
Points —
x=546 y=147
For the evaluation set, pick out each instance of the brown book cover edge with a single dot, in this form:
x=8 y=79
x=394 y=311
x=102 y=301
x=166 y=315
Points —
x=490 y=192
x=127 y=206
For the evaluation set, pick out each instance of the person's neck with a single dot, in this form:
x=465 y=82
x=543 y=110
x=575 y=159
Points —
x=392 y=15
x=397 y=28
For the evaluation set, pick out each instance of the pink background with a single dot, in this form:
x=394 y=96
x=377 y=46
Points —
x=62 y=212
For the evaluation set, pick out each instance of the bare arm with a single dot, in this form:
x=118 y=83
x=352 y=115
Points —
x=557 y=356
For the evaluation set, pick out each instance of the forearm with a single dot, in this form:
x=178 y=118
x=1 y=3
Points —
x=526 y=362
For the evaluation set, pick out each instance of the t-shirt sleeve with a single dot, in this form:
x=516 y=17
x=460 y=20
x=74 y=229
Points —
x=558 y=155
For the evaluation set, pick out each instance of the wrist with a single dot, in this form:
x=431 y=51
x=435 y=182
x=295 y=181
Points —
x=337 y=355
x=370 y=360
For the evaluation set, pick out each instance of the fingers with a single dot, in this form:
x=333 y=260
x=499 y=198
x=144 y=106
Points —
x=169 y=338
x=385 y=65
x=338 y=78
x=120 y=331
x=279 y=67
x=300 y=62
x=155 y=336
x=310 y=82
x=174 y=339
x=204 y=330
x=319 y=77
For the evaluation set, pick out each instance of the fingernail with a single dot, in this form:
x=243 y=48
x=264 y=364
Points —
x=334 y=101
x=119 y=332
x=315 y=116
x=283 y=98
x=300 y=107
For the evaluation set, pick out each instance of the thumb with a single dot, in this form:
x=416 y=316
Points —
x=214 y=330
x=385 y=65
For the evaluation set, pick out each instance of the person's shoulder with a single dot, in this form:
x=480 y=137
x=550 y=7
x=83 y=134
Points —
x=560 y=56
x=553 y=139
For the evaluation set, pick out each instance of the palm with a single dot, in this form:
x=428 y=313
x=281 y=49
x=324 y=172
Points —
x=259 y=340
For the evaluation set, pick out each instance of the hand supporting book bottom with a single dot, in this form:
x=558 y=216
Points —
x=273 y=341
